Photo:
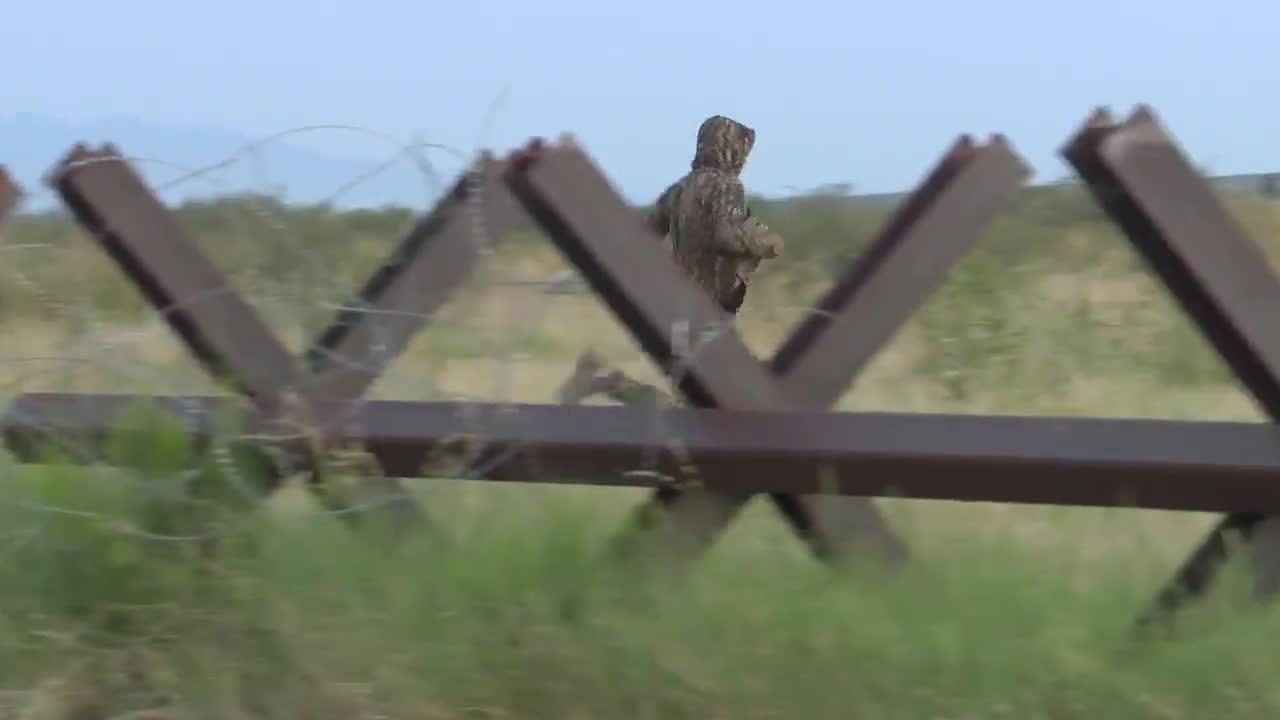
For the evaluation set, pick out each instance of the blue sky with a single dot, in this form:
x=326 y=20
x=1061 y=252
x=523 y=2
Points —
x=839 y=91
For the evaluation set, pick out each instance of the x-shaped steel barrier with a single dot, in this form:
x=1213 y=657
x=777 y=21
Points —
x=604 y=238
x=754 y=428
x=1221 y=279
x=229 y=338
x=623 y=261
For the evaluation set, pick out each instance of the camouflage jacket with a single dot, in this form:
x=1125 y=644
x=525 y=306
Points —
x=712 y=234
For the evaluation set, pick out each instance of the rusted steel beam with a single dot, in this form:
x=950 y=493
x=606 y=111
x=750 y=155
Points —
x=1159 y=464
x=429 y=264
x=663 y=309
x=904 y=265
x=1218 y=275
x=223 y=331
x=672 y=319
x=563 y=191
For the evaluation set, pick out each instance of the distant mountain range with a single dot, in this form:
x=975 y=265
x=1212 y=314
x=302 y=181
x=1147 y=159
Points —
x=30 y=144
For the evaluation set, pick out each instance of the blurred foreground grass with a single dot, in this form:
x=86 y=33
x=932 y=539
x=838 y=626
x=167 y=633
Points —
x=1005 y=612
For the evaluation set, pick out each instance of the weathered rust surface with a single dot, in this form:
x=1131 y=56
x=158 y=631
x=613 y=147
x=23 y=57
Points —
x=1160 y=464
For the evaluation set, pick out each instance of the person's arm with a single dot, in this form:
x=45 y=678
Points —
x=735 y=232
x=659 y=219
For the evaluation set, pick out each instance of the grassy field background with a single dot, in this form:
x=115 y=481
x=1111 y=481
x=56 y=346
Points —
x=109 y=609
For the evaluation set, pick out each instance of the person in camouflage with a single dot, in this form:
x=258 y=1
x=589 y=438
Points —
x=712 y=236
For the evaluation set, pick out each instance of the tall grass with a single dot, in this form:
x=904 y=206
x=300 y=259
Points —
x=521 y=616
x=112 y=601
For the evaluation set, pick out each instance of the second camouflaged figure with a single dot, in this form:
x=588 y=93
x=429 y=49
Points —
x=712 y=236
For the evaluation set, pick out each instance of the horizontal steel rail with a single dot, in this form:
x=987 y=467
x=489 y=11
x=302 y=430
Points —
x=1158 y=464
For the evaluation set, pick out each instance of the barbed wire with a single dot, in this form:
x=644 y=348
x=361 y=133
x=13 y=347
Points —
x=484 y=345
x=73 y=323
x=96 y=350
x=72 y=343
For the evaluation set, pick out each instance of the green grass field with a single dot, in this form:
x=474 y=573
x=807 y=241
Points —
x=108 y=608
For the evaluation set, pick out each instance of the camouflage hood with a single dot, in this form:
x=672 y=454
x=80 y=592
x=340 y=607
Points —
x=723 y=144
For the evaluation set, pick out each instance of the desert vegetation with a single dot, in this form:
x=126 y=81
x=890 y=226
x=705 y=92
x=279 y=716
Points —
x=109 y=607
